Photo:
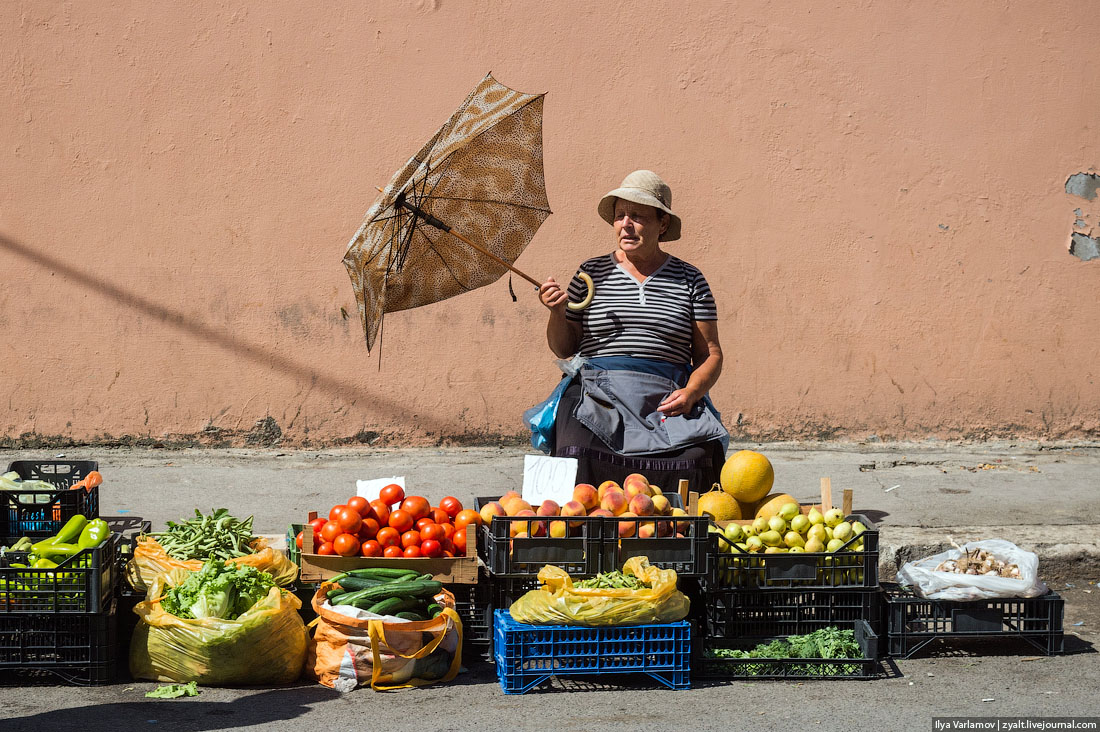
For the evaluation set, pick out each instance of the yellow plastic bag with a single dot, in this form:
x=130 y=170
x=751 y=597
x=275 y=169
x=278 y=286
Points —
x=558 y=602
x=346 y=652
x=265 y=645
x=150 y=561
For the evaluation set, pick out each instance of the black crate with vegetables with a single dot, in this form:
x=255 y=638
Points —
x=38 y=496
x=843 y=651
x=73 y=571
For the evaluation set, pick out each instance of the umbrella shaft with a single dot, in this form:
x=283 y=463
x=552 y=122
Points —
x=432 y=220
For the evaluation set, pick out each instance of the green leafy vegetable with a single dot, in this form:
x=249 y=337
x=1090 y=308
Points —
x=218 y=591
x=826 y=643
x=171 y=691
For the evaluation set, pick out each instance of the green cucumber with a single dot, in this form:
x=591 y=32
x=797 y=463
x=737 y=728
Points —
x=406 y=615
x=384 y=573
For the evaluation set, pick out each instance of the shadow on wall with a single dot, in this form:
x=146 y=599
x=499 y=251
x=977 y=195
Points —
x=271 y=359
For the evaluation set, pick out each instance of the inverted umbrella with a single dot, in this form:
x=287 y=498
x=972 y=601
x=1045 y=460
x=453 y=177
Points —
x=459 y=213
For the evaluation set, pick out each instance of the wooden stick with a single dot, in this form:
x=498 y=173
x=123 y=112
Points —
x=826 y=494
x=683 y=490
x=846 y=505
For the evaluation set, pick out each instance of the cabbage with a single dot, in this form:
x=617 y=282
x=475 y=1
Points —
x=218 y=591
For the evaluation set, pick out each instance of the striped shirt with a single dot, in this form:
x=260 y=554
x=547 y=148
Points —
x=650 y=319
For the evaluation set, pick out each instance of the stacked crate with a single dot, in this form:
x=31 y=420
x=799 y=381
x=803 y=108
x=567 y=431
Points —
x=753 y=598
x=62 y=621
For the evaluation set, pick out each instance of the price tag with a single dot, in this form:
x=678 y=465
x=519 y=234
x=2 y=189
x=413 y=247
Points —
x=546 y=477
x=370 y=489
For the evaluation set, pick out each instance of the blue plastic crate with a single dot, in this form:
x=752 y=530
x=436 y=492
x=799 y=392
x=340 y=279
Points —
x=528 y=655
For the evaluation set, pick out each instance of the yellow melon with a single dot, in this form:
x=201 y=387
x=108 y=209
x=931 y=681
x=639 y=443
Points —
x=771 y=504
x=720 y=505
x=747 y=476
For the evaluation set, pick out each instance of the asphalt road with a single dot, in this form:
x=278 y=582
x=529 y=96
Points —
x=1012 y=489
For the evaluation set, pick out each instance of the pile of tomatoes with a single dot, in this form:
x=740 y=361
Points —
x=393 y=526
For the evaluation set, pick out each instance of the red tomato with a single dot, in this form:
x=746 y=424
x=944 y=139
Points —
x=330 y=531
x=388 y=536
x=466 y=517
x=426 y=521
x=410 y=538
x=431 y=548
x=401 y=520
x=393 y=552
x=298 y=540
x=318 y=524
x=360 y=504
x=335 y=510
x=448 y=553
x=391 y=494
x=433 y=531
x=346 y=545
x=451 y=505
x=412 y=552
x=460 y=542
x=370 y=549
x=369 y=529
x=326 y=548
x=381 y=512
x=439 y=516
x=448 y=545
x=349 y=520
x=416 y=506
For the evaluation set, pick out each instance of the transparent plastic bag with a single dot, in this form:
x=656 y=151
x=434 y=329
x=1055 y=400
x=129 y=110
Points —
x=540 y=418
x=558 y=602
x=927 y=582
x=150 y=561
x=265 y=645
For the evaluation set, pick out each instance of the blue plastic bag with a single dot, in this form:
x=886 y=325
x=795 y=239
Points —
x=540 y=418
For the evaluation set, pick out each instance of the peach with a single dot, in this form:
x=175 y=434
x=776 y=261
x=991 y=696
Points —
x=493 y=508
x=509 y=495
x=665 y=528
x=573 y=508
x=627 y=528
x=602 y=513
x=548 y=508
x=681 y=526
x=614 y=501
x=559 y=529
x=641 y=505
x=539 y=528
x=522 y=527
x=647 y=530
x=661 y=506
x=586 y=495
x=635 y=484
x=605 y=487
x=514 y=505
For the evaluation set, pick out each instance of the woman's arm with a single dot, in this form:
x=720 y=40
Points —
x=706 y=354
x=562 y=335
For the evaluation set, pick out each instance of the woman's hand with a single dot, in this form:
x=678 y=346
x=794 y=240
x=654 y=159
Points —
x=552 y=296
x=678 y=403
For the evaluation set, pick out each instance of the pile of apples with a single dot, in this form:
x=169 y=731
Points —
x=635 y=498
x=393 y=526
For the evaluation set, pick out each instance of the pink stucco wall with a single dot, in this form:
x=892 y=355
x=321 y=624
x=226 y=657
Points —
x=876 y=194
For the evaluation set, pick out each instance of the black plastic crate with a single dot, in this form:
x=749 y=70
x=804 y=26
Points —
x=580 y=555
x=78 y=649
x=83 y=583
x=730 y=566
x=38 y=513
x=128 y=528
x=473 y=604
x=686 y=554
x=758 y=613
x=751 y=669
x=915 y=622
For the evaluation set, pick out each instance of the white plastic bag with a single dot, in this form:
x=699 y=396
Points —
x=927 y=582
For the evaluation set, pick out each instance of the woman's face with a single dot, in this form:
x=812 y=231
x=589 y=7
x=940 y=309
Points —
x=638 y=226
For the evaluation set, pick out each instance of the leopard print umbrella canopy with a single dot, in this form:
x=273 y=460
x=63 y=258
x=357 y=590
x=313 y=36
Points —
x=481 y=175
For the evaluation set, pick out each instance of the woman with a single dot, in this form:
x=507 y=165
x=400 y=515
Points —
x=650 y=340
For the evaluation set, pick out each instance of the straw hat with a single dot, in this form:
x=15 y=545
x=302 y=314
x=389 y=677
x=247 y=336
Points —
x=647 y=188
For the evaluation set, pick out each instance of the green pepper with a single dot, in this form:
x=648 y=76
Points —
x=45 y=563
x=60 y=550
x=69 y=532
x=94 y=534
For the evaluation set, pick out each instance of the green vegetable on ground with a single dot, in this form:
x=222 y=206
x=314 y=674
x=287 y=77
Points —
x=172 y=691
x=825 y=643
x=217 y=536
x=217 y=591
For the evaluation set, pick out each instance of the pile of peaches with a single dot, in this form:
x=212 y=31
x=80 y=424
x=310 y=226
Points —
x=634 y=499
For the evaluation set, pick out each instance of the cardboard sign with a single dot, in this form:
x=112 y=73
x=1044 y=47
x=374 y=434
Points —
x=370 y=489
x=546 y=477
